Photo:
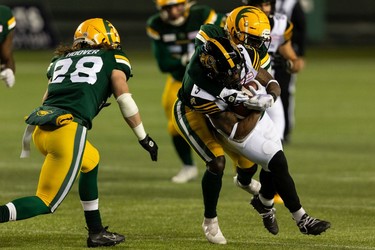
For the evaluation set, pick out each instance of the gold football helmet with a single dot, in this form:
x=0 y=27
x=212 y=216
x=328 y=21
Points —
x=97 y=31
x=162 y=3
x=249 y=26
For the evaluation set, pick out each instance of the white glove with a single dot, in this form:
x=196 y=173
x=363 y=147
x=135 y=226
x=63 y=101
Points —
x=233 y=96
x=259 y=102
x=8 y=76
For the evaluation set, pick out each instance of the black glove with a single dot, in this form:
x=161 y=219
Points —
x=150 y=145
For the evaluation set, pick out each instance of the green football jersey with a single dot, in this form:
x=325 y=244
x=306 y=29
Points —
x=7 y=22
x=80 y=81
x=170 y=42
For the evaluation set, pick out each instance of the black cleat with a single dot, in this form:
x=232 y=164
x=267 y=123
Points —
x=104 y=239
x=268 y=215
x=310 y=225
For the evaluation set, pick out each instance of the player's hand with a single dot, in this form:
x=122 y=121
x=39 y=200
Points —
x=150 y=145
x=8 y=76
x=233 y=96
x=260 y=102
x=185 y=58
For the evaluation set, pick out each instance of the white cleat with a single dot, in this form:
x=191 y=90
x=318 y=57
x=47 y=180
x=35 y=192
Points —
x=253 y=188
x=186 y=174
x=212 y=231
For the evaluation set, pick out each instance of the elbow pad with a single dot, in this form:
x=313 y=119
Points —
x=127 y=105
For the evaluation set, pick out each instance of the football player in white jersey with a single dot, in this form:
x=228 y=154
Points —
x=284 y=59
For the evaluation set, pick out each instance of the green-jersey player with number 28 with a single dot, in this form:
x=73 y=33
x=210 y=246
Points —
x=81 y=79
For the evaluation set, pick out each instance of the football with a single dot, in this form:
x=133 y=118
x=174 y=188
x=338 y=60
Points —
x=240 y=110
x=246 y=87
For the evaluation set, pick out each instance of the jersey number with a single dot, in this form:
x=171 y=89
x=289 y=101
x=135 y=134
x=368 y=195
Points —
x=86 y=69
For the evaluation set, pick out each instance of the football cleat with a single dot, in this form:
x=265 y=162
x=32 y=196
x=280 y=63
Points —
x=313 y=226
x=268 y=215
x=253 y=188
x=104 y=239
x=212 y=231
x=186 y=174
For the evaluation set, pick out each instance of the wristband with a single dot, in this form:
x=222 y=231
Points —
x=271 y=81
x=140 y=132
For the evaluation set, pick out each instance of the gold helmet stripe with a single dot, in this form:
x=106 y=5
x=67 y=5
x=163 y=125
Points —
x=225 y=53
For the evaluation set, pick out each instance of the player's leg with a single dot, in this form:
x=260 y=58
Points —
x=245 y=171
x=88 y=193
x=193 y=127
x=189 y=171
x=286 y=188
x=63 y=148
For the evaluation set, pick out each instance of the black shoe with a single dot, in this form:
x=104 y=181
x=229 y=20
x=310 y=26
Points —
x=268 y=215
x=104 y=239
x=310 y=225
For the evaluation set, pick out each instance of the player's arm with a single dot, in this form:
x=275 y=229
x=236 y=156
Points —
x=294 y=63
x=267 y=80
x=235 y=129
x=130 y=112
x=8 y=67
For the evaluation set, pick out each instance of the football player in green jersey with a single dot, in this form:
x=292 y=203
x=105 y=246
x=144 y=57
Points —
x=210 y=85
x=81 y=79
x=172 y=31
x=7 y=65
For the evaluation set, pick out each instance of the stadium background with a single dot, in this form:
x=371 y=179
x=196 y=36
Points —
x=331 y=155
x=44 y=23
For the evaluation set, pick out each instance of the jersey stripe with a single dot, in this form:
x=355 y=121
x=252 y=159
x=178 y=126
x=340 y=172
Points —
x=153 y=33
x=211 y=17
x=123 y=60
x=11 y=23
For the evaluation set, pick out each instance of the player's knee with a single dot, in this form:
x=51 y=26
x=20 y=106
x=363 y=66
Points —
x=217 y=165
x=278 y=163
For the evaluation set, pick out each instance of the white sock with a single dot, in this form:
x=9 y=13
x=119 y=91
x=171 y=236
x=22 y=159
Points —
x=298 y=214
x=266 y=202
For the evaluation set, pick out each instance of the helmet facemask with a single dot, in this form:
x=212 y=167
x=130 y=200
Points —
x=249 y=26
x=256 y=42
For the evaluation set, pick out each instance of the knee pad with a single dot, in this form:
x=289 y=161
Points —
x=217 y=165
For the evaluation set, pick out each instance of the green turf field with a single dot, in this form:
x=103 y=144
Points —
x=330 y=157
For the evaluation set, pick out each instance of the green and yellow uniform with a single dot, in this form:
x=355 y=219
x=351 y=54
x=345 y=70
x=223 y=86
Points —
x=170 y=43
x=7 y=22
x=197 y=98
x=79 y=85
